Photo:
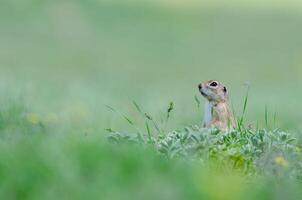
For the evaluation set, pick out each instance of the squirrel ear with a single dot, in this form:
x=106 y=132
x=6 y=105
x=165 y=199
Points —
x=225 y=90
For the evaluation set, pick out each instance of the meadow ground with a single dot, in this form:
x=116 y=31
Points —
x=62 y=62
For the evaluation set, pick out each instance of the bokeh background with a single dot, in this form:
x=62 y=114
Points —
x=63 y=62
x=69 y=58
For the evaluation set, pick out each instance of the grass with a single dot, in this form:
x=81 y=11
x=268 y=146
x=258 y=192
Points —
x=44 y=161
x=252 y=151
x=254 y=155
x=61 y=62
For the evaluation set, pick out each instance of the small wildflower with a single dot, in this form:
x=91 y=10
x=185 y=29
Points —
x=280 y=160
x=32 y=118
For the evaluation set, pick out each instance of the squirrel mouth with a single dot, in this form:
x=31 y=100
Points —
x=203 y=94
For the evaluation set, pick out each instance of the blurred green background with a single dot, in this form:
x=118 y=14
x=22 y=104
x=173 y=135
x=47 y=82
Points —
x=62 y=61
x=69 y=58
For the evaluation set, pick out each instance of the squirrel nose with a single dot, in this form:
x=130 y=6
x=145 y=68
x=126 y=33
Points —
x=199 y=86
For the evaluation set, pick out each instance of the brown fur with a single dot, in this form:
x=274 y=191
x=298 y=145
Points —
x=217 y=110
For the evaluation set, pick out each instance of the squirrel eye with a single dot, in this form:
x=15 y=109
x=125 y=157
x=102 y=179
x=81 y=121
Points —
x=224 y=89
x=213 y=84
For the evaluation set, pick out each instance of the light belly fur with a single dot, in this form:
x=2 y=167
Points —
x=207 y=113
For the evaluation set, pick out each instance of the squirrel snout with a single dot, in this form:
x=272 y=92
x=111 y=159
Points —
x=200 y=86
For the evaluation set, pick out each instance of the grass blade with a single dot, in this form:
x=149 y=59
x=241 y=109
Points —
x=244 y=107
x=153 y=122
x=137 y=107
x=149 y=132
x=110 y=108
x=148 y=117
x=275 y=118
x=197 y=101
x=128 y=120
x=110 y=130
x=266 y=116
x=123 y=115
x=170 y=109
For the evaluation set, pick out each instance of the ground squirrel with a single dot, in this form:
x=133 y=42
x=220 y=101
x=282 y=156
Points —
x=217 y=112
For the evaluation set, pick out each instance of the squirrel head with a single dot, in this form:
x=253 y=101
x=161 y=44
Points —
x=213 y=91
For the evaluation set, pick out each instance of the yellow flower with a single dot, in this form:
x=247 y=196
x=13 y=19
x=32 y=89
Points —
x=32 y=118
x=280 y=160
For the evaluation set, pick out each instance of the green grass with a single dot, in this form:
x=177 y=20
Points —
x=70 y=71
x=251 y=151
x=43 y=161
